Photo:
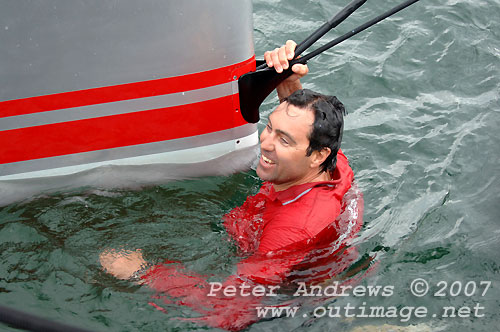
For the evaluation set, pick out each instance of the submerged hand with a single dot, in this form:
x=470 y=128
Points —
x=122 y=263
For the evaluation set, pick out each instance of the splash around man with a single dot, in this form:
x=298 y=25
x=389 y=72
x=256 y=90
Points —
x=293 y=217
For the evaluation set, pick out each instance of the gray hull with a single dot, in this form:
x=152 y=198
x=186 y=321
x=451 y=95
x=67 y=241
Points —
x=121 y=89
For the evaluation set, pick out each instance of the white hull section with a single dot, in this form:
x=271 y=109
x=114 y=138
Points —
x=136 y=172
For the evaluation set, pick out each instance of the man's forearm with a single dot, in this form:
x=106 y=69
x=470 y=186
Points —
x=287 y=88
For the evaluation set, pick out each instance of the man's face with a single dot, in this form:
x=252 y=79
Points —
x=283 y=145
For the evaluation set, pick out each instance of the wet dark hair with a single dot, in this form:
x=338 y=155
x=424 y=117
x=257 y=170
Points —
x=328 y=123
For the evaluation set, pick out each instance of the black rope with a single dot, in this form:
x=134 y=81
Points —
x=29 y=322
x=326 y=27
x=357 y=30
x=321 y=31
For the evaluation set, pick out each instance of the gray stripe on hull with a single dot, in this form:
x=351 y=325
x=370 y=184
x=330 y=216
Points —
x=127 y=151
x=116 y=108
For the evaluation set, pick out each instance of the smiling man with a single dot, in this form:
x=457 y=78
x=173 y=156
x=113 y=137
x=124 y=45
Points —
x=291 y=225
x=305 y=172
x=301 y=140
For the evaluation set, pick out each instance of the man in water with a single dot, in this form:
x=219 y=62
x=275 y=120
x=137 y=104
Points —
x=295 y=212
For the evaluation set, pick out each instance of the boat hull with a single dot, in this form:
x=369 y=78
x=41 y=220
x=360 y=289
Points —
x=119 y=85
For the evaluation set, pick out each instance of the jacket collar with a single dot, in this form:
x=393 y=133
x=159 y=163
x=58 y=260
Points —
x=293 y=193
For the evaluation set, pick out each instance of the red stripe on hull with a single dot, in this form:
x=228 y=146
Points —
x=119 y=130
x=114 y=131
x=125 y=91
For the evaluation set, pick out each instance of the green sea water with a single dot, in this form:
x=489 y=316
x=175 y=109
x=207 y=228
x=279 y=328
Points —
x=422 y=91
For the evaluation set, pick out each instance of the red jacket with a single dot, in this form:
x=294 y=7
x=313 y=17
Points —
x=286 y=235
